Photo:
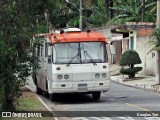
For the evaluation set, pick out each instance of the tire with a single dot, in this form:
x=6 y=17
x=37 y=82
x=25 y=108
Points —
x=96 y=95
x=46 y=93
x=39 y=91
x=51 y=96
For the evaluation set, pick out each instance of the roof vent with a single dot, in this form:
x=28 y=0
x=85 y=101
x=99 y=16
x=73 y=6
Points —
x=72 y=30
x=88 y=31
x=62 y=31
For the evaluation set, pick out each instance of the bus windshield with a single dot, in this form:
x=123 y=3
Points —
x=80 y=53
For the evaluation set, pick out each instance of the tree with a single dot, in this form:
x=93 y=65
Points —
x=155 y=42
x=155 y=39
x=130 y=58
x=136 y=11
x=20 y=20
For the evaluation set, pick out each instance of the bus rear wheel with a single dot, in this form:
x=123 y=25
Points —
x=96 y=95
x=39 y=91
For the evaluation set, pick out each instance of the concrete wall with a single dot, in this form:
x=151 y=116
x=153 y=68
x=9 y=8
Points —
x=106 y=31
x=148 y=59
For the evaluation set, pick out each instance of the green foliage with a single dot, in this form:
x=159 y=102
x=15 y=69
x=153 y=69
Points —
x=130 y=58
x=123 y=11
x=95 y=13
x=19 y=21
x=130 y=71
x=130 y=10
x=155 y=39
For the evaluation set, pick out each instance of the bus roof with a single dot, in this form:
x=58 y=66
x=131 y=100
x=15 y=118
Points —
x=77 y=36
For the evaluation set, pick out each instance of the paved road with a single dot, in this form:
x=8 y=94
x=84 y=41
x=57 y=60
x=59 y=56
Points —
x=119 y=98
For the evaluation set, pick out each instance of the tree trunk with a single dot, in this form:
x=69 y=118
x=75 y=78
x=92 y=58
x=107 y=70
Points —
x=86 y=15
x=117 y=11
x=7 y=101
x=132 y=65
x=111 y=10
x=142 y=10
x=107 y=8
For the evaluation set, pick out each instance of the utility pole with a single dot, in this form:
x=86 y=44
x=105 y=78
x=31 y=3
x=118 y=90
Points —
x=80 y=12
x=80 y=15
x=158 y=13
x=158 y=52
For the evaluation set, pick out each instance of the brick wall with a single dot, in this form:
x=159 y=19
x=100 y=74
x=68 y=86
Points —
x=143 y=32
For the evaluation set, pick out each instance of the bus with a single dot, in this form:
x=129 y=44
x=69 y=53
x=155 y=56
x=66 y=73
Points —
x=72 y=61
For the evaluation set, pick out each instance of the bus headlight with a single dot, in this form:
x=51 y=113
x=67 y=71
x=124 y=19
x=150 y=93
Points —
x=103 y=75
x=97 y=75
x=59 y=77
x=66 y=77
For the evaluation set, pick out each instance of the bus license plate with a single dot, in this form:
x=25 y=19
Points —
x=82 y=87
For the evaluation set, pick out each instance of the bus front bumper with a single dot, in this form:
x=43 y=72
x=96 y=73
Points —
x=79 y=87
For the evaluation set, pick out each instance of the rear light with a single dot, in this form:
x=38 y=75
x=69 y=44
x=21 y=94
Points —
x=97 y=75
x=59 y=77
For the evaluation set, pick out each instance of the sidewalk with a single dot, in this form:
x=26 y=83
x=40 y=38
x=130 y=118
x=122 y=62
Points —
x=140 y=81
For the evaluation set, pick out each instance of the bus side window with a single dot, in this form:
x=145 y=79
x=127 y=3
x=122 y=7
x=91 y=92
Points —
x=41 y=51
x=38 y=51
x=49 y=54
x=46 y=49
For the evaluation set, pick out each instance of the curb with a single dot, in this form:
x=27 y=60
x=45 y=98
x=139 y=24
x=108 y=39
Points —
x=139 y=86
x=55 y=118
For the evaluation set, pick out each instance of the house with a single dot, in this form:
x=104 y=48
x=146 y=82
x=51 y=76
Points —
x=136 y=36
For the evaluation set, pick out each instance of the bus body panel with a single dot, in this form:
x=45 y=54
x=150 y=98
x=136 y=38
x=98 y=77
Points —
x=82 y=77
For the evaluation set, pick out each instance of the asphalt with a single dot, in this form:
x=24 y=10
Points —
x=140 y=81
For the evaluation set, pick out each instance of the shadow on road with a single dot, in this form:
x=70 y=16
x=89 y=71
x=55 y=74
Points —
x=74 y=98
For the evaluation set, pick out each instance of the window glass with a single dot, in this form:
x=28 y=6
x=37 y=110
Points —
x=93 y=52
x=65 y=52
x=82 y=52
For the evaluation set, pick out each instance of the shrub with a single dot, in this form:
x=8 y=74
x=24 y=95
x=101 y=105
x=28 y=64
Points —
x=130 y=58
x=130 y=71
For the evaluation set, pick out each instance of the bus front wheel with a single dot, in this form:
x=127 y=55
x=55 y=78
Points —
x=96 y=95
x=51 y=96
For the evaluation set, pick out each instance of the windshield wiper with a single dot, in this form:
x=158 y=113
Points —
x=85 y=52
x=72 y=59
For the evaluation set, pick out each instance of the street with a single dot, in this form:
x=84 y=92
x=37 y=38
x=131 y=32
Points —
x=75 y=47
x=119 y=98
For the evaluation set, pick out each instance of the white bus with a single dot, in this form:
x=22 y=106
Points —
x=72 y=61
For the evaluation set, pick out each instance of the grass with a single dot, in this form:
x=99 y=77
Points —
x=29 y=102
